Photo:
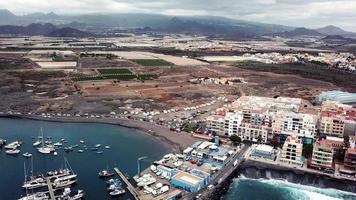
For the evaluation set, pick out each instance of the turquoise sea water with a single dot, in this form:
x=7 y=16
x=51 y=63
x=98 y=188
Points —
x=263 y=189
x=126 y=146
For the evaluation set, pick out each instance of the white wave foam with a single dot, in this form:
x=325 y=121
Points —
x=308 y=192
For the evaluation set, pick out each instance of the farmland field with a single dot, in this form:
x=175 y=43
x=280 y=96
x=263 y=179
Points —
x=114 y=71
x=152 y=62
x=116 y=74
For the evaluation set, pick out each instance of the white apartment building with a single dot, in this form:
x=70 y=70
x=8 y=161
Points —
x=295 y=122
x=232 y=123
x=292 y=151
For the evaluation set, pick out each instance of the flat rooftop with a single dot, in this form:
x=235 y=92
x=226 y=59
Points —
x=188 y=178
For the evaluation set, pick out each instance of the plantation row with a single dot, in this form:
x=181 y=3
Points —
x=119 y=77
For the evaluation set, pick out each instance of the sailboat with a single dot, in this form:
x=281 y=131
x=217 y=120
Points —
x=33 y=182
x=44 y=149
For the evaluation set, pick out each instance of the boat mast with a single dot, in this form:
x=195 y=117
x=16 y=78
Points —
x=24 y=169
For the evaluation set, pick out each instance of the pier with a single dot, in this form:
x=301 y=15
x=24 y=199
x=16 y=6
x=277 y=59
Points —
x=130 y=187
x=50 y=189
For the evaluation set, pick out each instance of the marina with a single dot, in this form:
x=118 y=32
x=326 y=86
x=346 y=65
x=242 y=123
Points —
x=86 y=164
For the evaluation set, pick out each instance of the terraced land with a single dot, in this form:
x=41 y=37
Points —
x=152 y=62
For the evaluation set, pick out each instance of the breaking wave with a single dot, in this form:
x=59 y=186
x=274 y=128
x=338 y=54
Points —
x=261 y=189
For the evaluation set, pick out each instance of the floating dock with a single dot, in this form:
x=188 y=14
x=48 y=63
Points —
x=130 y=187
x=50 y=189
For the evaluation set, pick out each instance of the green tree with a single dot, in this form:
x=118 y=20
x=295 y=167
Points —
x=259 y=139
x=235 y=139
x=346 y=142
x=307 y=150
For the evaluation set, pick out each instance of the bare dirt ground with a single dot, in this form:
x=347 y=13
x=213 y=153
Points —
x=28 y=90
x=14 y=62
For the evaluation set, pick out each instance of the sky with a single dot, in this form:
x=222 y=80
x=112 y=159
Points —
x=299 y=13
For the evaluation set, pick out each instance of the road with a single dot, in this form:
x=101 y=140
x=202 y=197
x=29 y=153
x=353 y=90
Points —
x=222 y=174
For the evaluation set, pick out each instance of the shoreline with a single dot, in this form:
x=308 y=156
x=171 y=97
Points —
x=176 y=142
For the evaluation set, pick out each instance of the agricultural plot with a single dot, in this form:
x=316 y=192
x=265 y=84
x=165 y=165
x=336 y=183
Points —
x=117 y=74
x=152 y=62
x=114 y=71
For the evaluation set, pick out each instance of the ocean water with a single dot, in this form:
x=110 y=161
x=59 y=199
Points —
x=126 y=146
x=263 y=189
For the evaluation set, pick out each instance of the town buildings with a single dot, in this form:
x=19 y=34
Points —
x=292 y=151
x=323 y=152
x=350 y=160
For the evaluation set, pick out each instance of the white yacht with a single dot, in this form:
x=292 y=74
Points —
x=35 y=183
x=35 y=196
x=12 y=151
x=13 y=145
x=44 y=150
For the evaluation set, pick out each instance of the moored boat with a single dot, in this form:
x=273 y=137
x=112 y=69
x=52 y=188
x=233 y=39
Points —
x=117 y=192
x=36 y=196
x=27 y=155
x=13 y=145
x=12 y=151
x=105 y=173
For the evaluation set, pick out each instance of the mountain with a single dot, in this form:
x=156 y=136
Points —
x=7 y=18
x=68 y=32
x=298 y=32
x=334 y=30
x=338 y=40
x=32 y=29
x=42 y=29
x=207 y=25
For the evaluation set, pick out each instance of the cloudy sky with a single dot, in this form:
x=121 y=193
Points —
x=309 y=13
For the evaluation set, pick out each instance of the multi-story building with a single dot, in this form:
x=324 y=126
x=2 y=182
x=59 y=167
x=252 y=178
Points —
x=350 y=159
x=333 y=125
x=232 y=123
x=322 y=157
x=292 y=151
x=290 y=121
x=216 y=124
x=254 y=132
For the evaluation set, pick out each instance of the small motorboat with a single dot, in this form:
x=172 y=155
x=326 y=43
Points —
x=81 y=141
x=68 y=149
x=27 y=155
x=107 y=147
x=68 y=194
x=117 y=192
x=58 y=144
x=55 y=153
x=99 y=152
x=80 y=151
x=97 y=145
x=105 y=173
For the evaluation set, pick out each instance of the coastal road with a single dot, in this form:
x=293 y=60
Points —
x=222 y=174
